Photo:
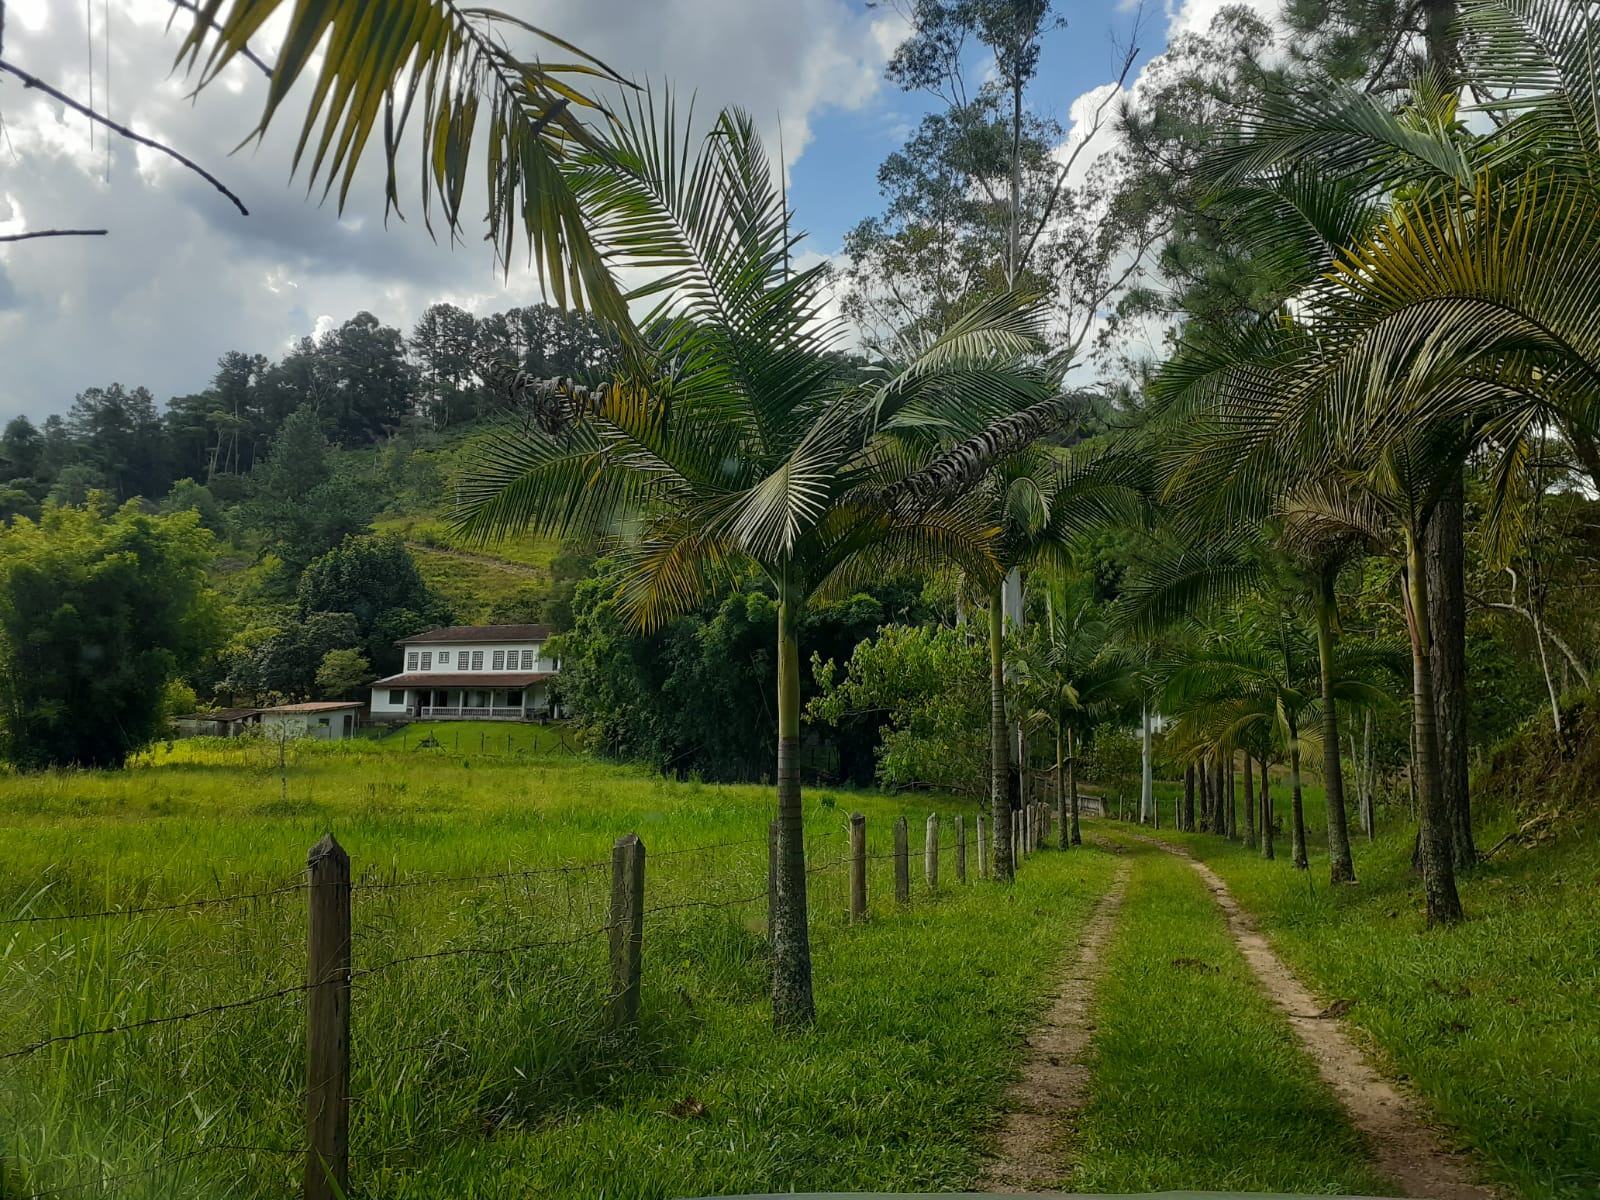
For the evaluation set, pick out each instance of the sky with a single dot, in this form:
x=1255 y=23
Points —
x=182 y=276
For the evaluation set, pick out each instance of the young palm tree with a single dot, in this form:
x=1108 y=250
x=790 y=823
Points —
x=730 y=440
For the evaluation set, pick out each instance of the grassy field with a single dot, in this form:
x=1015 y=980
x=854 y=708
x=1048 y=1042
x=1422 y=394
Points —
x=1196 y=1080
x=1495 y=1023
x=488 y=1073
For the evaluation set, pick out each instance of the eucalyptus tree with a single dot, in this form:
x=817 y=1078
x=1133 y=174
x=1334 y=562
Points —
x=729 y=439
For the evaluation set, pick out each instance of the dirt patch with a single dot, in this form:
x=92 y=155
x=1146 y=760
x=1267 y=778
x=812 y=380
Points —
x=1403 y=1146
x=1028 y=1154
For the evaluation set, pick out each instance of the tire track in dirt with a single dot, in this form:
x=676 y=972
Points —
x=1028 y=1151
x=1404 y=1146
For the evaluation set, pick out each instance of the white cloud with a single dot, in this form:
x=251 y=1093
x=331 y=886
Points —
x=183 y=277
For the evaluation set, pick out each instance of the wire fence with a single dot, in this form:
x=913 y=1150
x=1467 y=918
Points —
x=183 y=1047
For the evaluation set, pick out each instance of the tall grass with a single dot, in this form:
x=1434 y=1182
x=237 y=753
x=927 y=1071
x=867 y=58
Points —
x=490 y=1073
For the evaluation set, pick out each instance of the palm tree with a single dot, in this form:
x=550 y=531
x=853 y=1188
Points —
x=731 y=440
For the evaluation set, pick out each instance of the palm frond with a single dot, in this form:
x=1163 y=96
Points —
x=445 y=76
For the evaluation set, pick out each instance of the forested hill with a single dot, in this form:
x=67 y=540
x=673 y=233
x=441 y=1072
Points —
x=367 y=382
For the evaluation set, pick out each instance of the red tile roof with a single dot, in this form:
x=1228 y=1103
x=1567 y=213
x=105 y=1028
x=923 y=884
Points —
x=481 y=633
x=474 y=679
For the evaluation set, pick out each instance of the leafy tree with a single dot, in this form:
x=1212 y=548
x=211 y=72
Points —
x=99 y=611
x=302 y=503
x=188 y=496
x=926 y=689
x=444 y=343
x=695 y=696
x=282 y=664
x=376 y=581
x=22 y=447
x=342 y=672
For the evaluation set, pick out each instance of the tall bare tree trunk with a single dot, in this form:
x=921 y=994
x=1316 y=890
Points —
x=792 y=1002
x=1266 y=813
x=1063 y=817
x=1249 y=805
x=1147 y=792
x=1445 y=559
x=1433 y=840
x=1341 y=868
x=1232 y=814
x=1072 y=784
x=1297 y=809
x=1184 y=817
x=999 y=743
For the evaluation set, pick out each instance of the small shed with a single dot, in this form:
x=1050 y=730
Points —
x=326 y=720
x=218 y=722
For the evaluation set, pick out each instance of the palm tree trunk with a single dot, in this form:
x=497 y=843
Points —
x=1062 y=816
x=1433 y=841
x=1249 y=804
x=1445 y=566
x=999 y=743
x=1185 y=814
x=1341 y=869
x=1231 y=818
x=1297 y=810
x=1147 y=793
x=1266 y=812
x=792 y=1002
x=1072 y=784
x=1369 y=779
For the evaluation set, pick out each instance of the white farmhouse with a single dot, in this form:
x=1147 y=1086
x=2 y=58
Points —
x=470 y=672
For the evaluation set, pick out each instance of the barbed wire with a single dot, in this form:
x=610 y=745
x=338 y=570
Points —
x=43 y=1043
x=176 y=906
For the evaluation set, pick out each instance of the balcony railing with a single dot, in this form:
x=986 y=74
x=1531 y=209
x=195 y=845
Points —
x=472 y=713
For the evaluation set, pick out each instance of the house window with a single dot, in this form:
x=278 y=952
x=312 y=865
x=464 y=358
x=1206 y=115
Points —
x=411 y=660
x=397 y=696
x=322 y=721
x=444 y=658
x=499 y=660
x=477 y=660
x=513 y=699
x=527 y=660
x=427 y=660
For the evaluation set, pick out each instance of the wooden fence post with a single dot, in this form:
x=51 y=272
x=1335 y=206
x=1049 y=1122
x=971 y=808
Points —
x=930 y=853
x=858 y=868
x=961 y=848
x=902 y=862
x=327 y=1173
x=983 y=850
x=627 y=928
x=772 y=875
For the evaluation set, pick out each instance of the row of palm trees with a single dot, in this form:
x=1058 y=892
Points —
x=1444 y=317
